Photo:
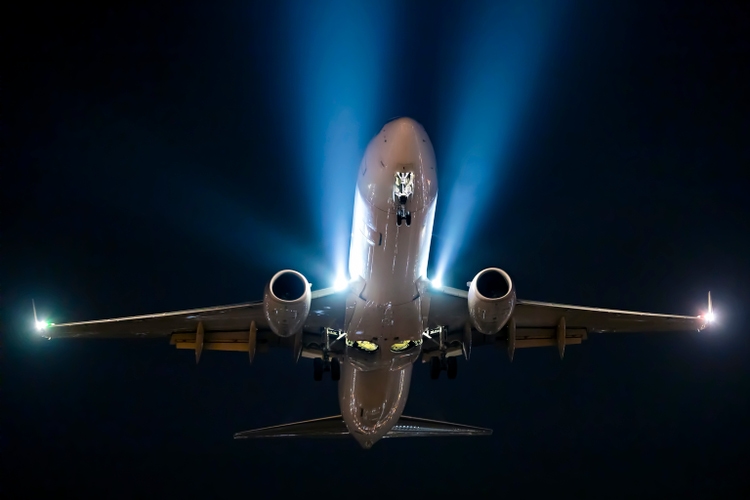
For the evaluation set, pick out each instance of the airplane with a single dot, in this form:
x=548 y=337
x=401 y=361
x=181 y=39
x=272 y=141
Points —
x=369 y=331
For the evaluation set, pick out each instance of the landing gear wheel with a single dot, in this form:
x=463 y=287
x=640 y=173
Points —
x=408 y=218
x=335 y=370
x=435 y=368
x=452 y=367
x=317 y=369
x=399 y=219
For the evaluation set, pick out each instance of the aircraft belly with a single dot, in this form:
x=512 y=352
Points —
x=386 y=323
x=372 y=401
x=391 y=259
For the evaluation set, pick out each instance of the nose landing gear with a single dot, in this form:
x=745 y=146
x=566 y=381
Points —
x=403 y=215
x=402 y=190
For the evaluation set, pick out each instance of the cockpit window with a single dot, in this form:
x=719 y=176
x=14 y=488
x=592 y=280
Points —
x=362 y=345
x=405 y=345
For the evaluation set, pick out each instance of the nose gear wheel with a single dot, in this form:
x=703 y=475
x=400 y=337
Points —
x=403 y=216
x=402 y=190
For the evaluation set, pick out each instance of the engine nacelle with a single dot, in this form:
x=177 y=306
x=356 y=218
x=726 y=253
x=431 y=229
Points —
x=286 y=302
x=492 y=297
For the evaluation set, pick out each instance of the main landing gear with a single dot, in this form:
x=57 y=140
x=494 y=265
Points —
x=326 y=361
x=440 y=363
x=445 y=359
x=320 y=366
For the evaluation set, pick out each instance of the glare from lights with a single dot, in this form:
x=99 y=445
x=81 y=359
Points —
x=499 y=70
x=41 y=325
x=341 y=282
x=437 y=282
x=338 y=108
x=710 y=317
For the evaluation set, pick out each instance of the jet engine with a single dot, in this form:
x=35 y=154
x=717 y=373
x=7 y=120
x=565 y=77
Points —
x=286 y=302
x=492 y=297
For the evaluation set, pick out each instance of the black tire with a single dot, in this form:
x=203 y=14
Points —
x=452 y=368
x=335 y=370
x=398 y=219
x=317 y=369
x=435 y=368
x=408 y=218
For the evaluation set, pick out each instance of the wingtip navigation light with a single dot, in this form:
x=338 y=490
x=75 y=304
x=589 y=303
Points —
x=38 y=324
x=710 y=317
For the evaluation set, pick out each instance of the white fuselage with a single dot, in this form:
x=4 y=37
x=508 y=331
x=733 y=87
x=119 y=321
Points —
x=387 y=266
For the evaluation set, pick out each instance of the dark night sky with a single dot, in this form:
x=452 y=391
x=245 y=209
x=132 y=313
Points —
x=167 y=157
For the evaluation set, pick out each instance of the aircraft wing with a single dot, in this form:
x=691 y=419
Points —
x=236 y=327
x=537 y=324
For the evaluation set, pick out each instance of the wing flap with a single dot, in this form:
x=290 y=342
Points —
x=227 y=341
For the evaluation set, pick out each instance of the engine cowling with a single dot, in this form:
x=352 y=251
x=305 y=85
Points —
x=492 y=297
x=286 y=302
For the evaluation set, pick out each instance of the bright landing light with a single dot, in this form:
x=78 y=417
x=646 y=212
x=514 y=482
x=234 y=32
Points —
x=341 y=282
x=710 y=317
x=437 y=282
x=41 y=325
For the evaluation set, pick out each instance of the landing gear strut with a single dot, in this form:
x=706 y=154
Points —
x=328 y=363
x=442 y=361
x=333 y=365
x=403 y=189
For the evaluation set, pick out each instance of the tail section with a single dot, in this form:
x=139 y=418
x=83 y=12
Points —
x=318 y=427
x=336 y=427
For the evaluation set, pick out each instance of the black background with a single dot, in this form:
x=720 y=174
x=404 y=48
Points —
x=149 y=165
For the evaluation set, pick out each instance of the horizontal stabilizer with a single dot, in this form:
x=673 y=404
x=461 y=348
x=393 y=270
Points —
x=336 y=427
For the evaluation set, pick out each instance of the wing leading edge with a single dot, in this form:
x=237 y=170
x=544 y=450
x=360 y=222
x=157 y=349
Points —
x=235 y=327
x=538 y=324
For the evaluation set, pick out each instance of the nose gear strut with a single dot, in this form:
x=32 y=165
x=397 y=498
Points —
x=402 y=191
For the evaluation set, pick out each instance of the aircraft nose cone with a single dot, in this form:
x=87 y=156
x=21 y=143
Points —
x=371 y=401
x=366 y=441
x=404 y=123
x=404 y=130
x=403 y=137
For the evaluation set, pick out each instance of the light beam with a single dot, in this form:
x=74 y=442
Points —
x=338 y=63
x=494 y=71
